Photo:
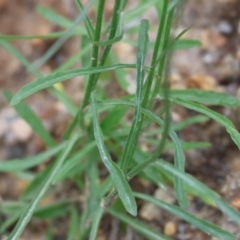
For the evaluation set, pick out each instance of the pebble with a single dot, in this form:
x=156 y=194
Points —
x=208 y=58
x=225 y=27
x=149 y=212
x=170 y=229
x=12 y=127
x=164 y=195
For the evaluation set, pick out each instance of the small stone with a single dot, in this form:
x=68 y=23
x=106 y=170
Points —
x=225 y=27
x=21 y=130
x=208 y=58
x=177 y=82
x=170 y=229
x=12 y=127
x=203 y=82
x=149 y=212
x=166 y=196
x=236 y=202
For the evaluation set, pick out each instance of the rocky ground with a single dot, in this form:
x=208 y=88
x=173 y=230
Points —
x=214 y=66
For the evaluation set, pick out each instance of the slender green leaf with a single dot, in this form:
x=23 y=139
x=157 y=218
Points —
x=178 y=44
x=112 y=119
x=182 y=44
x=203 y=225
x=134 y=13
x=92 y=170
x=204 y=97
x=96 y=221
x=173 y=4
x=54 y=17
x=189 y=121
x=88 y=24
x=56 y=46
x=30 y=117
x=10 y=221
x=17 y=165
x=137 y=121
x=74 y=224
x=10 y=207
x=180 y=125
x=179 y=161
x=26 y=216
x=36 y=183
x=150 y=172
x=72 y=162
x=138 y=226
x=202 y=189
x=33 y=70
x=30 y=37
x=48 y=81
x=215 y=116
x=93 y=78
x=52 y=211
x=190 y=145
x=20 y=57
x=117 y=175
x=84 y=226
x=118 y=36
x=178 y=156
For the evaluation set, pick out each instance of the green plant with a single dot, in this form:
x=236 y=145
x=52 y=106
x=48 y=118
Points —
x=95 y=138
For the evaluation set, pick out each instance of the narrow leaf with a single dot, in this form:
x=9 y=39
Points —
x=204 y=97
x=52 y=211
x=72 y=162
x=179 y=161
x=137 y=121
x=96 y=221
x=54 y=17
x=50 y=80
x=117 y=175
x=182 y=44
x=17 y=165
x=179 y=155
x=30 y=117
x=215 y=116
x=27 y=214
x=202 y=189
x=56 y=46
x=140 y=227
x=203 y=225
x=33 y=70
x=88 y=24
x=74 y=224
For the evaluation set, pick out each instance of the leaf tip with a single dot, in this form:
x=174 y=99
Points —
x=14 y=101
x=133 y=211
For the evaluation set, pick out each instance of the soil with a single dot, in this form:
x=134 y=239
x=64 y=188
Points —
x=214 y=66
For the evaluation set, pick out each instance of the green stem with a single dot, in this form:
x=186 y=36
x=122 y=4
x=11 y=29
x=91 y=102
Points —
x=133 y=135
x=158 y=41
x=166 y=42
x=165 y=35
x=94 y=77
x=94 y=57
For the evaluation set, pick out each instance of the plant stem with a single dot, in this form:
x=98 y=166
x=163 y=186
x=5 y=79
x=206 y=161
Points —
x=94 y=57
x=167 y=21
x=158 y=41
x=94 y=77
x=166 y=42
x=133 y=136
